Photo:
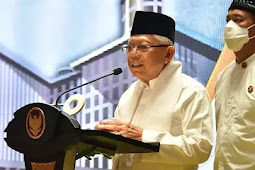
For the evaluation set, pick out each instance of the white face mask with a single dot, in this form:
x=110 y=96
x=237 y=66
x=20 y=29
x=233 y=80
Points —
x=236 y=36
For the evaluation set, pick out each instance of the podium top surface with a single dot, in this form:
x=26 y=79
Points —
x=105 y=142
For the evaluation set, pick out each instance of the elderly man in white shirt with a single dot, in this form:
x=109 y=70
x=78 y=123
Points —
x=163 y=105
x=235 y=96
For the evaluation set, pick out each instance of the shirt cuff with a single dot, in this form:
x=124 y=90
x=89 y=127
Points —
x=149 y=136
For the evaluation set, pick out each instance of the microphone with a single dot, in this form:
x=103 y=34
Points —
x=116 y=71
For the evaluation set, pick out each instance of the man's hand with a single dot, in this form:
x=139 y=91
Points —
x=121 y=128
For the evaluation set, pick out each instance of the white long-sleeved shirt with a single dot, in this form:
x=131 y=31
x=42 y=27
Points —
x=174 y=110
x=235 y=117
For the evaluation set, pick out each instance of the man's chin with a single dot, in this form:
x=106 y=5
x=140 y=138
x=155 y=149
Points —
x=136 y=73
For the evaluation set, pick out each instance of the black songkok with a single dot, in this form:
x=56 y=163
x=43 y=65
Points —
x=153 y=23
x=247 y=5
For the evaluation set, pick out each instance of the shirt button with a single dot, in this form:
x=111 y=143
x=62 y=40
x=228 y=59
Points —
x=250 y=89
x=244 y=64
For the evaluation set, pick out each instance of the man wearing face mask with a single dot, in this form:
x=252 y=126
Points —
x=234 y=92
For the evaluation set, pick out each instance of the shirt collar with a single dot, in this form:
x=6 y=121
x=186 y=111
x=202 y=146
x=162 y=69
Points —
x=248 y=61
x=151 y=84
x=167 y=71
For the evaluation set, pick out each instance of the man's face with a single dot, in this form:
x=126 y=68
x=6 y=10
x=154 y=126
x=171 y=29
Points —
x=146 y=65
x=242 y=18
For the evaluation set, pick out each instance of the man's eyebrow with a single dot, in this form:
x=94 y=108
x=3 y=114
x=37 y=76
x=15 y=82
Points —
x=139 y=41
x=236 y=15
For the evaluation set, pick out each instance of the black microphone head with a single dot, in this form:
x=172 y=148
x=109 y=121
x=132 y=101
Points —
x=117 y=71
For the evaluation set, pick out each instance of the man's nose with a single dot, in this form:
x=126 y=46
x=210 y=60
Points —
x=135 y=53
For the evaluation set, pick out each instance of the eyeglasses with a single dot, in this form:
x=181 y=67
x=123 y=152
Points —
x=142 y=48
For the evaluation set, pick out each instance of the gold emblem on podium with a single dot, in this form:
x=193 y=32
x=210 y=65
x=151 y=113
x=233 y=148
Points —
x=35 y=123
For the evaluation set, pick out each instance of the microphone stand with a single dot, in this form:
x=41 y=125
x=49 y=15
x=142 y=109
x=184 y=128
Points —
x=115 y=72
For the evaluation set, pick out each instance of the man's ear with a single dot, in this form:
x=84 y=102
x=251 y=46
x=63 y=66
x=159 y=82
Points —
x=169 y=54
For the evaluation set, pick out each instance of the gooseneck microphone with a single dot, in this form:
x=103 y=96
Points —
x=114 y=72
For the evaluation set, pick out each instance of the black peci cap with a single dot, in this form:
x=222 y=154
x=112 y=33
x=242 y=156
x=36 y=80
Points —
x=247 y=5
x=153 y=23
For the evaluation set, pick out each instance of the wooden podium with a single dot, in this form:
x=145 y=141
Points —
x=50 y=139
